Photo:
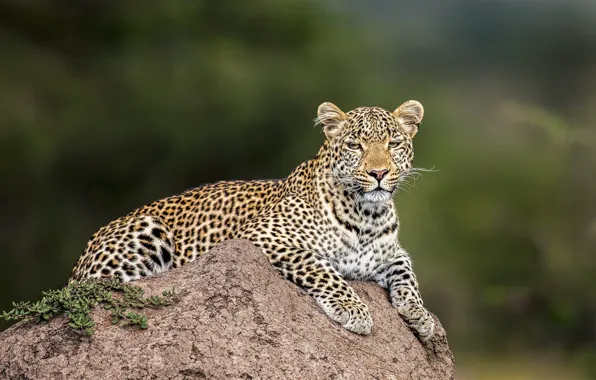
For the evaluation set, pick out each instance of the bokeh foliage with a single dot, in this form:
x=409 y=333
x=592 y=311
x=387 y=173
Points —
x=107 y=105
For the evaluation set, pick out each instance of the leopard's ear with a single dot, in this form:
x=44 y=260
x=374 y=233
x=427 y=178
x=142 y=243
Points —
x=410 y=116
x=332 y=119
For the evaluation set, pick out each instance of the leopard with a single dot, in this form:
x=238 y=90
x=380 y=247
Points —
x=332 y=219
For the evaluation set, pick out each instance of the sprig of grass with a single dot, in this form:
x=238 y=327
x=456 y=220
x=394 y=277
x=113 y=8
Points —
x=77 y=299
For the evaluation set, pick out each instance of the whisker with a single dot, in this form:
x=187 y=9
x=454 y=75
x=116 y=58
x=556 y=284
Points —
x=407 y=180
x=401 y=187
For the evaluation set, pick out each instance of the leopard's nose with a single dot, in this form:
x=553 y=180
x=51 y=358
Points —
x=378 y=174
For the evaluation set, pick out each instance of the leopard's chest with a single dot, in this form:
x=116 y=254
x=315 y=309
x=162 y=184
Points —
x=359 y=253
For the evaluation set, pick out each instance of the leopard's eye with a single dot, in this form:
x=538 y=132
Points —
x=394 y=143
x=354 y=146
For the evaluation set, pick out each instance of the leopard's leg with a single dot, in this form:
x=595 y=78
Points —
x=397 y=276
x=131 y=247
x=321 y=281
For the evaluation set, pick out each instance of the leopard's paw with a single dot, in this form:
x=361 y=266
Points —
x=353 y=315
x=418 y=319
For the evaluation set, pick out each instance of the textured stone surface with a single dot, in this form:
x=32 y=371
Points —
x=240 y=320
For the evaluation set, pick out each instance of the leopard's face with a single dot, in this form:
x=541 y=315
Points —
x=370 y=148
x=373 y=154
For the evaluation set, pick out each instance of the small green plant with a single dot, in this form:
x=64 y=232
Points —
x=77 y=299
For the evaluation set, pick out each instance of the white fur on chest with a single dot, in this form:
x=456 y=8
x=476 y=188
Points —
x=359 y=256
x=359 y=244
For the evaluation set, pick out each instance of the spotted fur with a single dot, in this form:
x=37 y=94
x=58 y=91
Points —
x=331 y=219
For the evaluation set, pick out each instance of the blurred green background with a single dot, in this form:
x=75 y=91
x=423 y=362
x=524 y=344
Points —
x=107 y=105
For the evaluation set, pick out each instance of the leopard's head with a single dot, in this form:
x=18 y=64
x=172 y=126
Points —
x=370 y=149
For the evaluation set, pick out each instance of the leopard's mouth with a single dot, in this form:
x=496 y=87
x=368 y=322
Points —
x=379 y=191
x=379 y=188
x=375 y=189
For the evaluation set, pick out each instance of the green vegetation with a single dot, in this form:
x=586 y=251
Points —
x=77 y=299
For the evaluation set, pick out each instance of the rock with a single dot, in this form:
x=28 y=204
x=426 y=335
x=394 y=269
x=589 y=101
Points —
x=240 y=320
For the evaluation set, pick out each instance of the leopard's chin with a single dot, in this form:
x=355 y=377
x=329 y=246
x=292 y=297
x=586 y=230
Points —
x=377 y=195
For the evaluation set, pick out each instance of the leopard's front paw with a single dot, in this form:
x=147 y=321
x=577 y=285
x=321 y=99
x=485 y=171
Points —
x=353 y=315
x=425 y=327
x=360 y=321
x=418 y=319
